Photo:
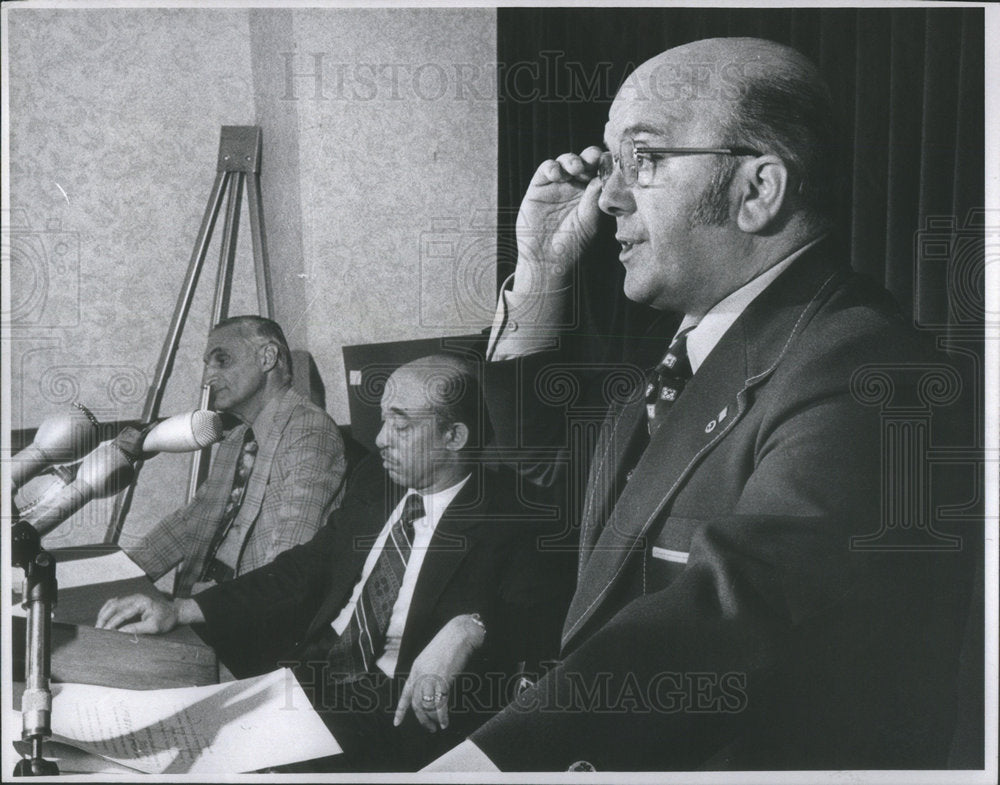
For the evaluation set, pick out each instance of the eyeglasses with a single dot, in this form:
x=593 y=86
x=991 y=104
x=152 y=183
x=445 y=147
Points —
x=638 y=164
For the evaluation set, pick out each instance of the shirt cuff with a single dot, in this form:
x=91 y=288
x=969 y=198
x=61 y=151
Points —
x=528 y=322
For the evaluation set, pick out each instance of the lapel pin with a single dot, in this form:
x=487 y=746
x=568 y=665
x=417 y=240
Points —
x=722 y=415
x=710 y=427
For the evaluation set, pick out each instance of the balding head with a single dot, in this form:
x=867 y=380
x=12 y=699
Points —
x=749 y=92
x=431 y=411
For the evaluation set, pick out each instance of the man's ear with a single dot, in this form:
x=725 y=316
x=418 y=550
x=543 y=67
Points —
x=267 y=357
x=456 y=436
x=763 y=188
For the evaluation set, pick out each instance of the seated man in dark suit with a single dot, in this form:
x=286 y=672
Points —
x=412 y=607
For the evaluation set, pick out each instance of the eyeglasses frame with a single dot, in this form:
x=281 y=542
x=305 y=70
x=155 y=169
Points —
x=735 y=150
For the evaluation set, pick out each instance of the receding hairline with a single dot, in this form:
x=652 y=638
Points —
x=766 y=57
x=759 y=51
x=436 y=363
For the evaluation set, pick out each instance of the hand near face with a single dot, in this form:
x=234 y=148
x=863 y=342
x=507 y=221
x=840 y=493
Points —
x=558 y=218
x=434 y=671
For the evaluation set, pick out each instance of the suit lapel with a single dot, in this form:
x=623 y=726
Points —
x=357 y=530
x=692 y=427
x=267 y=430
x=713 y=402
x=622 y=430
x=449 y=547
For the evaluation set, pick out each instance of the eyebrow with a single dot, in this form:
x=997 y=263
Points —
x=643 y=128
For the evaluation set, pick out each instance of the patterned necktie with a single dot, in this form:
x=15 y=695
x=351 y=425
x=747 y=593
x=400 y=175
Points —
x=666 y=382
x=244 y=466
x=355 y=652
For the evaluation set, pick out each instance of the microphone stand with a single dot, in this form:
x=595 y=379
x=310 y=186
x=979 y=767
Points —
x=39 y=599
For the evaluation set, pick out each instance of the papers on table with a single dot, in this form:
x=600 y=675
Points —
x=234 y=727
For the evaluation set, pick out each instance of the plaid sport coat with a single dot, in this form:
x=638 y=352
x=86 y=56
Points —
x=296 y=481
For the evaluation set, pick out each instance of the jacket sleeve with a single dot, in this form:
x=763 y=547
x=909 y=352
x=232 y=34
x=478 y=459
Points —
x=258 y=618
x=165 y=545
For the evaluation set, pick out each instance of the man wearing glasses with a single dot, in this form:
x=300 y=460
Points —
x=733 y=608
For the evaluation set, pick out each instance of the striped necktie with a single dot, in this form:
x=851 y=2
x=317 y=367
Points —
x=666 y=382
x=355 y=652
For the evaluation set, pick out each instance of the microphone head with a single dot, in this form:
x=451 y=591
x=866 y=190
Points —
x=206 y=427
x=184 y=433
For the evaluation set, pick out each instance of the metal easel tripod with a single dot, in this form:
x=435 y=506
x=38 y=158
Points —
x=238 y=166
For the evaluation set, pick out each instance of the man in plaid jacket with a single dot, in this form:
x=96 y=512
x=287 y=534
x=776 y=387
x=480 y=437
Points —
x=274 y=479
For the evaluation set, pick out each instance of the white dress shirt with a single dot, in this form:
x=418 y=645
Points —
x=708 y=331
x=423 y=529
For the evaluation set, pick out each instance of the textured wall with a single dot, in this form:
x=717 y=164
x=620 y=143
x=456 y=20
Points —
x=397 y=137
x=114 y=118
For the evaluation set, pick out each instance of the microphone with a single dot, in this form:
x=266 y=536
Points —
x=110 y=468
x=60 y=438
x=102 y=472
x=183 y=433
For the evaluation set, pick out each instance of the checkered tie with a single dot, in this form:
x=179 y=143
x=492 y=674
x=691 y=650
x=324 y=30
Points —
x=666 y=382
x=354 y=653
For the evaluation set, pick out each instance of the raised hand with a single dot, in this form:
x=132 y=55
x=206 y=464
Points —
x=557 y=220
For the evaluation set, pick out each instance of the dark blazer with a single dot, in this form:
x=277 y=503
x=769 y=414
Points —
x=482 y=559
x=761 y=586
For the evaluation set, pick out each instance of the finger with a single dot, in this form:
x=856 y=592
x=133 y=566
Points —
x=142 y=627
x=422 y=711
x=551 y=172
x=592 y=155
x=589 y=209
x=573 y=165
x=121 y=610
x=106 y=610
x=442 y=712
x=404 y=703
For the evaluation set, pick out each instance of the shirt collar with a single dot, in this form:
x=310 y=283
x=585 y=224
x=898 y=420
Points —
x=708 y=331
x=434 y=503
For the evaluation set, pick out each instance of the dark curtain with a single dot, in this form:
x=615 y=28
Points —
x=908 y=84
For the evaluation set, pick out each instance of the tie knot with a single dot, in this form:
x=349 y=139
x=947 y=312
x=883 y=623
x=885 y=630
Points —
x=413 y=509
x=675 y=362
x=249 y=441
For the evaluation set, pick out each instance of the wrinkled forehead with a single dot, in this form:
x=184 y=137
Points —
x=674 y=100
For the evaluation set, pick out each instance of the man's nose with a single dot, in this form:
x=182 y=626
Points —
x=616 y=198
x=382 y=439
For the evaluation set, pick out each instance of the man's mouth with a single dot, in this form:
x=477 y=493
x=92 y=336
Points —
x=628 y=244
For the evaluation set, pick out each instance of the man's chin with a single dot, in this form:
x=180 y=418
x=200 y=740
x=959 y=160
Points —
x=637 y=292
x=390 y=469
